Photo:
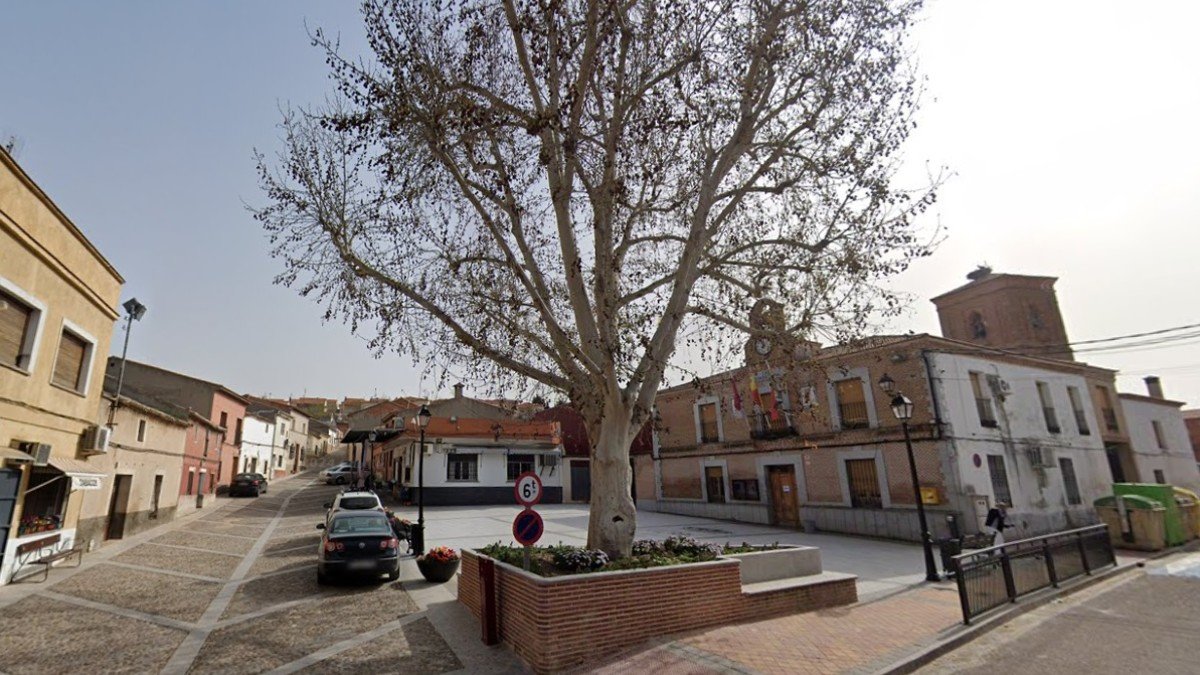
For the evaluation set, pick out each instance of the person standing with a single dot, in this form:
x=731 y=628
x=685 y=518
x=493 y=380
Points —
x=997 y=522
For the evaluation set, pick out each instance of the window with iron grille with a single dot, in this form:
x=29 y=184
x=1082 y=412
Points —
x=462 y=468
x=1106 y=409
x=745 y=490
x=519 y=464
x=1069 y=481
x=852 y=404
x=863 y=478
x=17 y=321
x=999 y=474
x=1160 y=477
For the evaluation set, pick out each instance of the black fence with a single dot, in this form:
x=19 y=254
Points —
x=995 y=576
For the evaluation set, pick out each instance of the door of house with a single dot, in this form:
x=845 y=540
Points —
x=784 y=502
x=714 y=478
x=118 y=506
x=10 y=480
x=581 y=481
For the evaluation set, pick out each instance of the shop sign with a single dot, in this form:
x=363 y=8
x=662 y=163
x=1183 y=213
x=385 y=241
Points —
x=85 y=482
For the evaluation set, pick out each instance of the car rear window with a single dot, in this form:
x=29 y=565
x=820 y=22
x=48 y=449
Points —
x=360 y=525
x=247 y=476
x=356 y=503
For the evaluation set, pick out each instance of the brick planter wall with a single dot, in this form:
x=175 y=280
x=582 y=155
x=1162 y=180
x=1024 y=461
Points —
x=558 y=622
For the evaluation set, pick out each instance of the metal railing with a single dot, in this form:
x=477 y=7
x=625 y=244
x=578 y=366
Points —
x=762 y=426
x=709 y=431
x=853 y=415
x=995 y=576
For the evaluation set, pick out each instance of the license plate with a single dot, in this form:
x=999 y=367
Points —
x=360 y=565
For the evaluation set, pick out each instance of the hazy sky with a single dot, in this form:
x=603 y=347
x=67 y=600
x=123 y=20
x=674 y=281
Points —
x=1070 y=128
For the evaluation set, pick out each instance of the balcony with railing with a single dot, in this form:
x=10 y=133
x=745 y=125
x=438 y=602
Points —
x=987 y=416
x=1110 y=419
x=709 y=432
x=853 y=415
x=764 y=427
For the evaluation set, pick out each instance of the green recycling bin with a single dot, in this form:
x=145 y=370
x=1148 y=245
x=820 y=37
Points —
x=1176 y=526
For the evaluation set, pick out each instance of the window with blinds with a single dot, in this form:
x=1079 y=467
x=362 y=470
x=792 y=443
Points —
x=15 y=317
x=69 y=364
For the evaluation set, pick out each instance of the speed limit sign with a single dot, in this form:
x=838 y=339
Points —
x=528 y=489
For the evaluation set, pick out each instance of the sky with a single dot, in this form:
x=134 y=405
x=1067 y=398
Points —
x=1068 y=129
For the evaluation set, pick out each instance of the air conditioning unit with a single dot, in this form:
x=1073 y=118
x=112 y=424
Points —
x=1000 y=387
x=41 y=454
x=95 y=439
x=549 y=460
x=1040 y=458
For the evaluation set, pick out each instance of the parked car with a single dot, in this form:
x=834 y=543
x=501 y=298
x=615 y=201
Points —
x=338 y=475
x=253 y=484
x=357 y=543
x=353 y=500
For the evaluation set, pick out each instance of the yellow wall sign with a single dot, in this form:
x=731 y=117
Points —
x=930 y=495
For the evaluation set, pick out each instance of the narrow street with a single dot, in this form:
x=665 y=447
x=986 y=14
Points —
x=234 y=591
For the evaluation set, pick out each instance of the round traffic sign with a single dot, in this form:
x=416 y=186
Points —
x=528 y=489
x=528 y=527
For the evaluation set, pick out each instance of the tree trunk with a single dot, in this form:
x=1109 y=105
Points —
x=613 y=514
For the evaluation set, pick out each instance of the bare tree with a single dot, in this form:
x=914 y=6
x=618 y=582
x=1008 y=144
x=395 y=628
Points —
x=556 y=191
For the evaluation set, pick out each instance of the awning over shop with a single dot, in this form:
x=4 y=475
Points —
x=83 y=476
x=14 y=455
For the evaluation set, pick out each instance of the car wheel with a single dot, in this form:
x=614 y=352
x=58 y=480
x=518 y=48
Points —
x=341 y=480
x=394 y=574
x=322 y=578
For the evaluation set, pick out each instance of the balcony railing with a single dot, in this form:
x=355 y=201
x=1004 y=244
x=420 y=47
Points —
x=1110 y=419
x=762 y=426
x=1081 y=421
x=709 y=432
x=854 y=415
x=987 y=417
x=1051 y=420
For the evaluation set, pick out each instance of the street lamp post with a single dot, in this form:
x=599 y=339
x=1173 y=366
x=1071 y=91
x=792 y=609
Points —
x=418 y=533
x=135 y=311
x=902 y=408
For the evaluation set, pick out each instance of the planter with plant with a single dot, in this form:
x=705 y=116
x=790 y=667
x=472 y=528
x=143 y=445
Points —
x=439 y=564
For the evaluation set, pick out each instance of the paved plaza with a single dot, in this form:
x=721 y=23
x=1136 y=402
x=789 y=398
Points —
x=232 y=589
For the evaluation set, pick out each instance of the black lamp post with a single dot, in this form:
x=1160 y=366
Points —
x=135 y=311
x=902 y=408
x=418 y=533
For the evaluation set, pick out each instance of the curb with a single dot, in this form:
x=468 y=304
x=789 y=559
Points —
x=1044 y=597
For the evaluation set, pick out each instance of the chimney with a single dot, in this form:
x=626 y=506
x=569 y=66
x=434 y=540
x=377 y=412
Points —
x=1154 y=386
x=458 y=391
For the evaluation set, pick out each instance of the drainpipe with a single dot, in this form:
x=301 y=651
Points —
x=933 y=397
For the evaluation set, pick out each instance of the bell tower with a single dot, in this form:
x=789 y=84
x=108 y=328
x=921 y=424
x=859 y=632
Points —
x=1006 y=311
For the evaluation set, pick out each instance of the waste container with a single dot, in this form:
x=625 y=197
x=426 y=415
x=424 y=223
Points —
x=949 y=547
x=1133 y=521
x=1189 y=511
x=1177 y=531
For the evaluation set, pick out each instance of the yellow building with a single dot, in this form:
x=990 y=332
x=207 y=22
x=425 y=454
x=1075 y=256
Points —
x=57 y=308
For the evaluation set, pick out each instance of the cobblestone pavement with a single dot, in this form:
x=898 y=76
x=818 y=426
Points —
x=233 y=589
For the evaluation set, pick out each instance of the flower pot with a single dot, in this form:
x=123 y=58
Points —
x=436 y=571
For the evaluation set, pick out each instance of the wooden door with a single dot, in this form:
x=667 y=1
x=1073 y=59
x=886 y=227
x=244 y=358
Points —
x=118 y=507
x=714 y=477
x=784 y=503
